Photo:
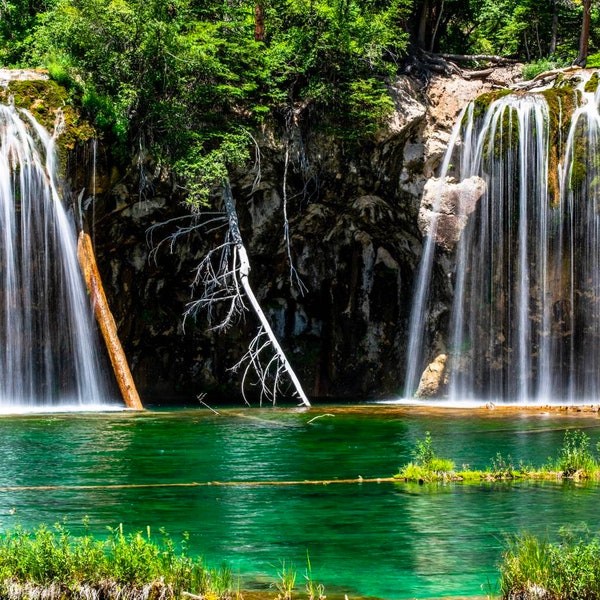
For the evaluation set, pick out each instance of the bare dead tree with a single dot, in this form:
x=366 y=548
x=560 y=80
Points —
x=294 y=276
x=222 y=278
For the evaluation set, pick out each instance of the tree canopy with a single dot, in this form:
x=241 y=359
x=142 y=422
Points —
x=186 y=78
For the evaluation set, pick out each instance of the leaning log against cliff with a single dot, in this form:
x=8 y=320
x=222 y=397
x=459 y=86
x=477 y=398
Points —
x=85 y=253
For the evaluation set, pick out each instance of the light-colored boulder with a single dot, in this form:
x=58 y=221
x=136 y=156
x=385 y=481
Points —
x=446 y=206
x=432 y=379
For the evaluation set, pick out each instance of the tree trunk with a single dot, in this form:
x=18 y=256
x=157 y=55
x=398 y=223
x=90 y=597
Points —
x=437 y=25
x=554 y=33
x=259 y=22
x=85 y=254
x=244 y=270
x=585 y=34
x=423 y=25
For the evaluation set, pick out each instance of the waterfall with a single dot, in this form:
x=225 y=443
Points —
x=47 y=335
x=524 y=321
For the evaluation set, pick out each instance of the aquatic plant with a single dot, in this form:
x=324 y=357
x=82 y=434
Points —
x=575 y=460
x=426 y=464
x=504 y=468
x=50 y=560
x=533 y=567
x=314 y=590
x=575 y=457
x=286 y=580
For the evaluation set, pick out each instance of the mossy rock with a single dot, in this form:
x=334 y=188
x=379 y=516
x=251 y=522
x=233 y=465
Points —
x=592 y=83
x=562 y=101
x=483 y=102
x=45 y=100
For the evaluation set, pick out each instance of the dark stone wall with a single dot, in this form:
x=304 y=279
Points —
x=354 y=242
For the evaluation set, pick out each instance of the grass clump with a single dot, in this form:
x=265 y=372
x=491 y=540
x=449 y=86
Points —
x=286 y=581
x=426 y=464
x=133 y=566
x=314 y=589
x=536 y=568
x=575 y=458
x=504 y=468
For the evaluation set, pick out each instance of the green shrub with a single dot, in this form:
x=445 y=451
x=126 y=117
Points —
x=593 y=61
x=575 y=456
x=531 y=70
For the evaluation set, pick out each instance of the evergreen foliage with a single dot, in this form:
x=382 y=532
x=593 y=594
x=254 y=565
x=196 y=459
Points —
x=184 y=79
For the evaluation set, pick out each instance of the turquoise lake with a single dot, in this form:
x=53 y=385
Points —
x=389 y=540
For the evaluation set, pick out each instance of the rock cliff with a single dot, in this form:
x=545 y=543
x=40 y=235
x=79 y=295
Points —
x=355 y=243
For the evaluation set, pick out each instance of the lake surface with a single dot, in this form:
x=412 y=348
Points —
x=391 y=540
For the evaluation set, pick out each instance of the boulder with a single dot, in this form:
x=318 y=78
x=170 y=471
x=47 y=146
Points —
x=446 y=206
x=433 y=379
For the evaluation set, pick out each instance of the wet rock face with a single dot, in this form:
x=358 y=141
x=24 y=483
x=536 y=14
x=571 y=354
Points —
x=448 y=204
x=354 y=242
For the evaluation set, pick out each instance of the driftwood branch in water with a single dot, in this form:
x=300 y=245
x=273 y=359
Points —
x=85 y=254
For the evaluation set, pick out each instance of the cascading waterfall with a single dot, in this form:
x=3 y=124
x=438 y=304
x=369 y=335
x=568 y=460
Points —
x=524 y=325
x=47 y=336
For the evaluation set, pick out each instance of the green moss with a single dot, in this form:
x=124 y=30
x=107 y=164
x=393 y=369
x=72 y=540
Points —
x=562 y=101
x=483 y=102
x=585 y=160
x=578 y=174
x=46 y=99
x=592 y=83
x=506 y=135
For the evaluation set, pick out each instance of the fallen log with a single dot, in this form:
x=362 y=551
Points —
x=87 y=261
x=498 y=60
x=483 y=74
x=544 y=78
